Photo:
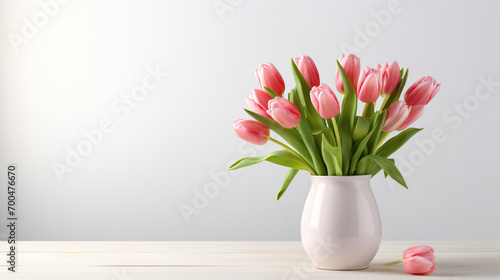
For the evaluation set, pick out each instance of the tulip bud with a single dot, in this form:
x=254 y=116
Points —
x=390 y=74
x=284 y=112
x=415 y=113
x=268 y=76
x=422 y=91
x=396 y=115
x=325 y=101
x=351 y=65
x=257 y=101
x=308 y=69
x=419 y=260
x=369 y=85
x=252 y=131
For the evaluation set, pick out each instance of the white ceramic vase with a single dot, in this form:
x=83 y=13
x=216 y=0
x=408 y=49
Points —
x=340 y=226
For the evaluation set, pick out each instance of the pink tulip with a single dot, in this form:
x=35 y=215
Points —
x=284 y=112
x=369 y=85
x=419 y=260
x=422 y=91
x=390 y=74
x=351 y=65
x=257 y=101
x=415 y=113
x=396 y=115
x=268 y=76
x=252 y=131
x=308 y=69
x=325 y=101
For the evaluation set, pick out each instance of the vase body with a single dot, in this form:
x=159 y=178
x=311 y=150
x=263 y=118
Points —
x=340 y=226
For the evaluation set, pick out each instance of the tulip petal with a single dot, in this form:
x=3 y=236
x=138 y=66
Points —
x=434 y=92
x=396 y=115
x=308 y=69
x=417 y=250
x=268 y=76
x=277 y=74
x=252 y=131
x=418 y=265
x=391 y=77
x=325 y=108
x=369 y=89
x=415 y=113
x=283 y=117
x=412 y=87
x=422 y=91
x=324 y=101
x=351 y=65
x=255 y=107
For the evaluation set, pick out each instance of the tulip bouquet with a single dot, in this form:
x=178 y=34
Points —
x=328 y=139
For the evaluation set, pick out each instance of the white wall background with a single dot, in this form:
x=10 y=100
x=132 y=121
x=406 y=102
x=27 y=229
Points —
x=74 y=65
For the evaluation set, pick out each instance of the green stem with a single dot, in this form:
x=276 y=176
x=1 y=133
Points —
x=330 y=125
x=394 y=262
x=368 y=109
x=336 y=129
x=381 y=141
x=311 y=170
x=386 y=98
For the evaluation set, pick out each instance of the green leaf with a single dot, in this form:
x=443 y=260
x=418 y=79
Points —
x=281 y=157
x=292 y=97
x=388 y=166
x=393 y=161
x=308 y=113
x=289 y=176
x=304 y=96
x=327 y=158
x=361 y=147
x=378 y=123
x=374 y=121
x=350 y=101
x=302 y=86
x=304 y=130
x=311 y=145
x=361 y=129
x=396 y=93
x=326 y=131
x=271 y=92
x=291 y=136
x=332 y=157
x=315 y=125
x=394 y=144
x=397 y=142
x=347 y=115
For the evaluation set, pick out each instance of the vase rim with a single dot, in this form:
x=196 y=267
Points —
x=341 y=178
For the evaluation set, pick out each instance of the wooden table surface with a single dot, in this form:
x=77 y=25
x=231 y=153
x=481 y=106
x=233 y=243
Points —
x=231 y=260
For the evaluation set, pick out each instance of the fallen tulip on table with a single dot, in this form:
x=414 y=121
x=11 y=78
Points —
x=418 y=260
